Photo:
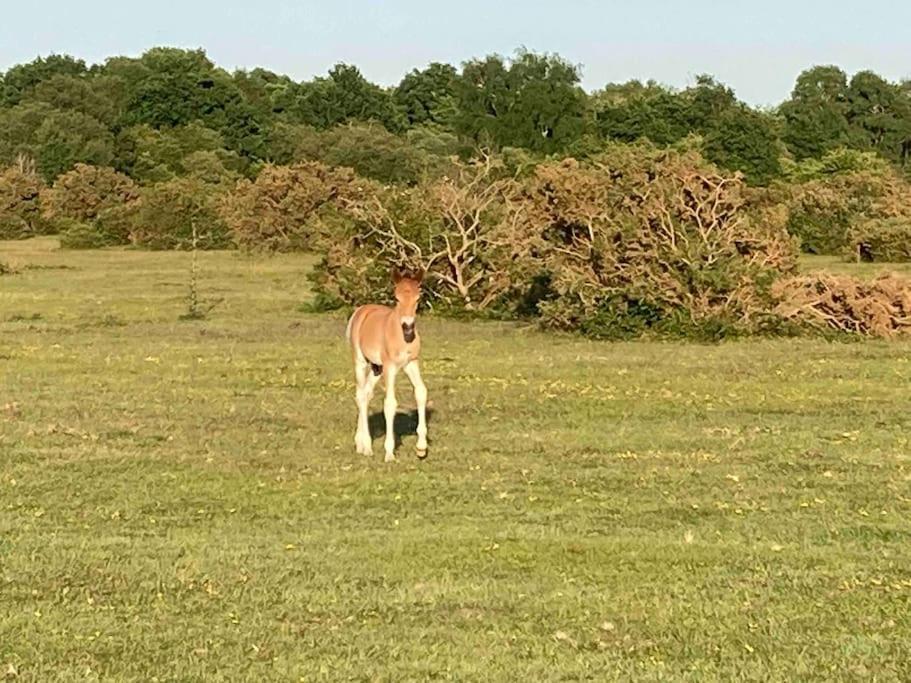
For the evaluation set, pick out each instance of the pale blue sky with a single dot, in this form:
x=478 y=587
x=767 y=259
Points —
x=758 y=47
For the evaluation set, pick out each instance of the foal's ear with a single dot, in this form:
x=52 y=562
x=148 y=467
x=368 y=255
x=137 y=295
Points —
x=397 y=276
x=419 y=275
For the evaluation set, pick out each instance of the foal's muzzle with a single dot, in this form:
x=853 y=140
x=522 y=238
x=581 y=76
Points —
x=408 y=332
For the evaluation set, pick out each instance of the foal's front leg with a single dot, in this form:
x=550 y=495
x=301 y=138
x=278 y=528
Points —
x=389 y=408
x=366 y=381
x=413 y=371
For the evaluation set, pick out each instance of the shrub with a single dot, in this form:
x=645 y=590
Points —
x=460 y=229
x=844 y=304
x=641 y=239
x=86 y=191
x=115 y=224
x=887 y=239
x=825 y=198
x=373 y=152
x=20 y=209
x=75 y=234
x=276 y=211
x=166 y=216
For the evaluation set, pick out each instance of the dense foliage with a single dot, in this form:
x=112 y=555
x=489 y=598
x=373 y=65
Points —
x=636 y=207
x=144 y=115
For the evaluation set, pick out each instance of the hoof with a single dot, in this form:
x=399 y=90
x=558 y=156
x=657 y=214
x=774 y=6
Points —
x=422 y=453
x=389 y=458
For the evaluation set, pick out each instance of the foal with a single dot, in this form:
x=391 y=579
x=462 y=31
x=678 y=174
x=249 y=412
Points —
x=384 y=341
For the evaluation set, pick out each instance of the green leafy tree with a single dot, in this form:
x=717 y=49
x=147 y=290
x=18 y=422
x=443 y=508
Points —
x=169 y=212
x=89 y=96
x=151 y=155
x=736 y=137
x=879 y=114
x=177 y=87
x=632 y=111
x=344 y=95
x=288 y=142
x=533 y=101
x=428 y=96
x=56 y=139
x=815 y=117
x=747 y=141
x=21 y=78
x=373 y=152
x=264 y=91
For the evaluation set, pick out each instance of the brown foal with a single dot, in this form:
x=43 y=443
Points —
x=383 y=341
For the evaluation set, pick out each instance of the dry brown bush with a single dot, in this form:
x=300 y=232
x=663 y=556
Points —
x=638 y=239
x=464 y=230
x=20 y=207
x=646 y=239
x=841 y=303
x=276 y=212
x=84 y=192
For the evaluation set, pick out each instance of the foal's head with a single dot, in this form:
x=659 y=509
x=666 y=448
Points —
x=407 y=295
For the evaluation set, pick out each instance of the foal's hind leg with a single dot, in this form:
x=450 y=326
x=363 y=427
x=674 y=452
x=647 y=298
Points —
x=366 y=381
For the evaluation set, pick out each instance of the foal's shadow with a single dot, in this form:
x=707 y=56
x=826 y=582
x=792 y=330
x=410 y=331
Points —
x=405 y=424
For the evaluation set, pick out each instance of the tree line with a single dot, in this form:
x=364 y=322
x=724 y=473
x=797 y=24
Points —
x=170 y=111
x=636 y=209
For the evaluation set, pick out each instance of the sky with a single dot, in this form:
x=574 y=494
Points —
x=756 y=47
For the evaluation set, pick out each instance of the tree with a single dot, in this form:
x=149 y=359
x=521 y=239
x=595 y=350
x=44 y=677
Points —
x=815 y=117
x=373 y=152
x=344 y=95
x=170 y=211
x=368 y=148
x=879 y=115
x=736 y=137
x=56 y=139
x=745 y=140
x=89 y=96
x=264 y=91
x=150 y=155
x=175 y=87
x=650 y=239
x=534 y=101
x=428 y=95
x=631 y=111
x=461 y=229
x=22 y=77
x=707 y=102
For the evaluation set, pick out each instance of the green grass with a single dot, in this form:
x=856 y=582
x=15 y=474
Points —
x=837 y=264
x=181 y=500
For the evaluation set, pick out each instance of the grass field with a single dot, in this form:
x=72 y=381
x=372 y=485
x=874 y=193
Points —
x=181 y=501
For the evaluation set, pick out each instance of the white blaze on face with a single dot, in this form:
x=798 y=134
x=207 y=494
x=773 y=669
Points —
x=408 y=320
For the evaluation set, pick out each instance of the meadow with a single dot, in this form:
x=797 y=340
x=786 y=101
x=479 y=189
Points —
x=180 y=500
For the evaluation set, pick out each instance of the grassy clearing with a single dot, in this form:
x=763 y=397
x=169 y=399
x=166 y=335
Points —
x=836 y=264
x=182 y=501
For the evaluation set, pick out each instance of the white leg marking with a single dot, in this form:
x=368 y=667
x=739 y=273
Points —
x=413 y=370
x=389 y=408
